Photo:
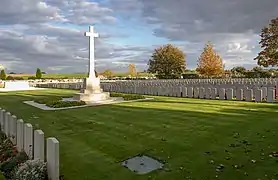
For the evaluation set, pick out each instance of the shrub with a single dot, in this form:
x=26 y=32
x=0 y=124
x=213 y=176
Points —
x=128 y=97
x=59 y=104
x=32 y=78
x=2 y=137
x=8 y=166
x=7 y=150
x=56 y=102
x=3 y=74
x=47 y=100
x=2 y=85
x=31 y=170
x=10 y=78
x=18 y=78
x=38 y=73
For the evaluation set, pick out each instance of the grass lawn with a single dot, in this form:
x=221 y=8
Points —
x=192 y=136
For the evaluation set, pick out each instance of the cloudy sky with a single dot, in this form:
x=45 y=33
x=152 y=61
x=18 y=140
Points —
x=49 y=34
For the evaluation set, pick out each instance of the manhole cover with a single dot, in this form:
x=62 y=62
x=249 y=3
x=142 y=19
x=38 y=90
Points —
x=142 y=164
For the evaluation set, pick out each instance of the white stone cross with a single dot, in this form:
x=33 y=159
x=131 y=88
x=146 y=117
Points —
x=92 y=35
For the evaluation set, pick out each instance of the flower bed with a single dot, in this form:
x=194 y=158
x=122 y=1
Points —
x=16 y=165
x=56 y=102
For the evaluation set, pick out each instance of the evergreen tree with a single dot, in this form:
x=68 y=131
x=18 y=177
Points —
x=3 y=75
x=38 y=73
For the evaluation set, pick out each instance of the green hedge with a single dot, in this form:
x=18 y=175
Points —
x=47 y=100
x=127 y=97
x=59 y=104
x=56 y=102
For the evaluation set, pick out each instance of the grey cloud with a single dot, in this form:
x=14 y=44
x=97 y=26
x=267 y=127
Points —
x=57 y=49
x=41 y=11
x=211 y=16
x=26 y=12
x=28 y=41
x=224 y=22
x=83 y=12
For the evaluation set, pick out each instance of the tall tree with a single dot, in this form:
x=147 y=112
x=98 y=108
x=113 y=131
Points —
x=107 y=73
x=238 y=71
x=3 y=75
x=167 y=62
x=38 y=73
x=132 y=70
x=210 y=63
x=269 y=43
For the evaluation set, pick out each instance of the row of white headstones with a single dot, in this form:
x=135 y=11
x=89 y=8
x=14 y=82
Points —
x=31 y=141
x=257 y=94
x=202 y=91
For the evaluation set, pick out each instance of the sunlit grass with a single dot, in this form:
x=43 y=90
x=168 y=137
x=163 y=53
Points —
x=191 y=136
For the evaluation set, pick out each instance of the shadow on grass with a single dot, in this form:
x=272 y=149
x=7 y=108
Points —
x=96 y=139
x=178 y=100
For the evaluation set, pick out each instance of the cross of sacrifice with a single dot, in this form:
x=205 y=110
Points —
x=92 y=35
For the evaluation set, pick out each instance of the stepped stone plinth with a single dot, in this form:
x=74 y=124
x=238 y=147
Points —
x=92 y=91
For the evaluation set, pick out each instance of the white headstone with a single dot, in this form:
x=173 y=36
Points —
x=13 y=129
x=28 y=140
x=208 y=93
x=52 y=156
x=1 y=117
x=230 y=94
x=270 y=95
x=20 y=135
x=6 y=123
x=39 y=145
x=258 y=95
x=222 y=92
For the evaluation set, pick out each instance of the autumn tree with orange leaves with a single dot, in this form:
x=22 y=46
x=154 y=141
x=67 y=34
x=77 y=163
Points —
x=132 y=70
x=210 y=63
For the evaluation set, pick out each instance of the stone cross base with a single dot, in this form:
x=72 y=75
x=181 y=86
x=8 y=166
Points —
x=92 y=91
x=91 y=85
x=94 y=97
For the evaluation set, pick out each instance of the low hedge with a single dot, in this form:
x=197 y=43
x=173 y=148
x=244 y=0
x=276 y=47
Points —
x=127 y=97
x=59 y=104
x=47 y=100
x=56 y=102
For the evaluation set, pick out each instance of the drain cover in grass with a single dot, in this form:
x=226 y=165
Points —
x=142 y=164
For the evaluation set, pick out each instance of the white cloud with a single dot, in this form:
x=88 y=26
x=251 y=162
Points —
x=50 y=33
